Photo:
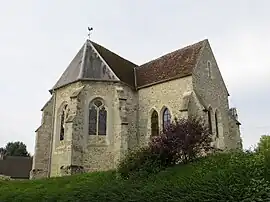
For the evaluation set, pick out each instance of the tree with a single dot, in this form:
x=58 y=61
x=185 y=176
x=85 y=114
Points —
x=264 y=144
x=2 y=151
x=14 y=149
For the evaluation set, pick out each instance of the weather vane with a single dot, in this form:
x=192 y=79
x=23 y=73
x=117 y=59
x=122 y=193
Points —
x=89 y=31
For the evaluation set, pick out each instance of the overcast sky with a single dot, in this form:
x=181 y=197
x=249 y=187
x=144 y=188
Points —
x=39 y=38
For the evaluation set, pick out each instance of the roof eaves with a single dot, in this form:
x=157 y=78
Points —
x=162 y=81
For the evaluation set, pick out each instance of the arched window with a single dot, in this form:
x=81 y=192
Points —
x=97 y=118
x=63 y=117
x=166 y=118
x=216 y=120
x=154 y=124
x=210 y=119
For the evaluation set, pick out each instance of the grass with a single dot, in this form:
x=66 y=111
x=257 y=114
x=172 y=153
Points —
x=222 y=177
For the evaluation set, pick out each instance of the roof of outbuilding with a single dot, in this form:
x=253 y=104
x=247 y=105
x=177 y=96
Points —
x=16 y=166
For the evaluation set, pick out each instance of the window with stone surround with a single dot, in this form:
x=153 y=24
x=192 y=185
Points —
x=97 y=118
x=154 y=124
x=210 y=111
x=63 y=117
x=166 y=119
x=216 y=121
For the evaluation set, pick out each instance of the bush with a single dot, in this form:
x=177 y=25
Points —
x=183 y=141
x=139 y=162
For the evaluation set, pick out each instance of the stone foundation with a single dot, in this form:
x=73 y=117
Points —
x=38 y=174
x=71 y=169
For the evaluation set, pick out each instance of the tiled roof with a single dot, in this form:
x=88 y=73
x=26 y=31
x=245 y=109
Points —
x=83 y=66
x=16 y=166
x=123 y=68
x=179 y=63
x=176 y=64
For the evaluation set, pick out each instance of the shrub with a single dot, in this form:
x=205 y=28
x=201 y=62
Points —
x=139 y=162
x=183 y=141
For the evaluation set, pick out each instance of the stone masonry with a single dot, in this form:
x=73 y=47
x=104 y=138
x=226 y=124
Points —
x=186 y=82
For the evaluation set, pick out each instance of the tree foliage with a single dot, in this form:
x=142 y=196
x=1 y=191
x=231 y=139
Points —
x=14 y=149
x=264 y=144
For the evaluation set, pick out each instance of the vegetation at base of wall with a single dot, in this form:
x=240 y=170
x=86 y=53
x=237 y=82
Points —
x=4 y=178
x=239 y=176
x=183 y=141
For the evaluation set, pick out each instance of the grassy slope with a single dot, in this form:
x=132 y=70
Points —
x=238 y=177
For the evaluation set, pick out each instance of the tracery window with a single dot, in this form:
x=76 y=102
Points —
x=97 y=118
x=166 y=118
x=154 y=124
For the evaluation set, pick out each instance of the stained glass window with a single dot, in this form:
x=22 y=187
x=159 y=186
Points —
x=166 y=118
x=98 y=103
x=154 y=123
x=102 y=121
x=97 y=118
x=92 y=120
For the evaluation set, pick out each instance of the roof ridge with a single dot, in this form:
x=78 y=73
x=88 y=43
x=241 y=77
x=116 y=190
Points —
x=112 y=52
x=164 y=55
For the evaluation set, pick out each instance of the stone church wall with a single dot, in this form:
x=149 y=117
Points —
x=234 y=138
x=212 y=91
x=41 y=160
x=61 y=150
x=104 y=152
x=94 y=152
x=157 y=97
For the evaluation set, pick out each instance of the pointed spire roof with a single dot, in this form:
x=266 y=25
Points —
x=93 y=61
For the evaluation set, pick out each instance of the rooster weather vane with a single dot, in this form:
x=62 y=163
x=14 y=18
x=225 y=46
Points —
x=89 y=31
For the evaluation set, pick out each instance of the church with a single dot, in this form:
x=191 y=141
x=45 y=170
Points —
x=104 y=105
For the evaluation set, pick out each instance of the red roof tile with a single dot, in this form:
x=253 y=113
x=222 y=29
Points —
x=176 y=64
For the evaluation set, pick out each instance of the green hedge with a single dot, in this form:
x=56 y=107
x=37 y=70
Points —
x=220 y=177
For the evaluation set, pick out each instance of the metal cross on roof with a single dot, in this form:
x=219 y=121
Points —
x=89 y=31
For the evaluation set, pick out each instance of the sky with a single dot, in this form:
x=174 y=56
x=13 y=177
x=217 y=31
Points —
x=38 y=39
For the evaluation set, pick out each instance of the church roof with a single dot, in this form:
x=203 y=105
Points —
x=176 y=64
x=111 y=66
x=123 y=68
